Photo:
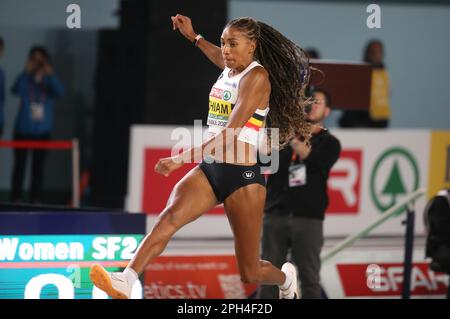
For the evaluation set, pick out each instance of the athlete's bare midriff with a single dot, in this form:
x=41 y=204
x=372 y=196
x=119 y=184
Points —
x=237 y=152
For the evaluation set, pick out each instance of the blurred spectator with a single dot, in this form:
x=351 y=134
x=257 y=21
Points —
x=37 y=87
x=296 y=202
x=313 y=53
x=2 y=89
x=437 y=223
x=379 y=113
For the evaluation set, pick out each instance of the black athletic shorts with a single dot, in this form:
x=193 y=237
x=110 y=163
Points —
x=225 y=178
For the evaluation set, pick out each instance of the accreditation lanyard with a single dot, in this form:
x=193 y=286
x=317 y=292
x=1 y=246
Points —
x=297 y=172
x=37 y=110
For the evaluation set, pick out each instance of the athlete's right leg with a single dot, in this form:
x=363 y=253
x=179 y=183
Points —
x=190 y=198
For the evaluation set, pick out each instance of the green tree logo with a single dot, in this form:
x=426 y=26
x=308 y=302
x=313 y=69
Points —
x=394 y=185
x=226 y=95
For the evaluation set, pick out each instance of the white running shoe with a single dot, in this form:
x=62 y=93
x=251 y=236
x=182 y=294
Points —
x=114 y=284
x=293 y=291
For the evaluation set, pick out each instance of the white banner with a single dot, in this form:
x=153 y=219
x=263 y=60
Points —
x=376 y=169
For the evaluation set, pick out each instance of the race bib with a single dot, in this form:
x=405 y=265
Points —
x=297 y=175
x=219 y=112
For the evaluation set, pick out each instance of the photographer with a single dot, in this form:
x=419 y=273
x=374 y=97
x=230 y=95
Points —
x=297 y=199
x=37 y=87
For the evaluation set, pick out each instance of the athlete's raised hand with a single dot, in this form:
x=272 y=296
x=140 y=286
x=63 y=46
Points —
x=167 y=165
x=184 y=25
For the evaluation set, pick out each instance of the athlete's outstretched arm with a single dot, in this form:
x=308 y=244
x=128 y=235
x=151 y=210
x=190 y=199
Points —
x=213 y=52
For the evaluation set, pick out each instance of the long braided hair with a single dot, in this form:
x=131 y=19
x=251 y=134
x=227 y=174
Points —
x=289 y=72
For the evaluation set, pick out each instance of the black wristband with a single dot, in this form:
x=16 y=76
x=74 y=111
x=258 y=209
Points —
x=198 y=37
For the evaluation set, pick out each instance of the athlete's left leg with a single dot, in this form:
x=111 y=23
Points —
x=245 y=209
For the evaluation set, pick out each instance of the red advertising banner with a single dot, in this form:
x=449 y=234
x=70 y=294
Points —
x=356 y=282
x=157 y=188
x=195 y=277
x=344 y=184
x=344 y=187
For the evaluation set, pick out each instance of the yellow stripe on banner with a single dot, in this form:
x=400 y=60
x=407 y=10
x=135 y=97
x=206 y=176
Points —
x=219 y=107
x=439 y=166
x=255 y=121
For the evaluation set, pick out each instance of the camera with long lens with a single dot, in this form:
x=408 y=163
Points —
x=308 y=108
